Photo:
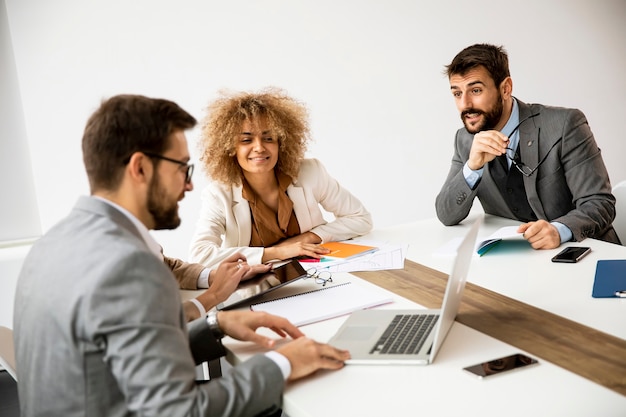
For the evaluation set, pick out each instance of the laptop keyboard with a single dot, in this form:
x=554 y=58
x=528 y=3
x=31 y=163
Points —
x=405 y=334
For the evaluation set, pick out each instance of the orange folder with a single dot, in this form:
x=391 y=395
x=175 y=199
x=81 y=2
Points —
x=344 y=250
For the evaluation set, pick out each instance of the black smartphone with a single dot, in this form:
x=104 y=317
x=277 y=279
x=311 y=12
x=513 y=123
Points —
x=501 y=365
x=571 y=254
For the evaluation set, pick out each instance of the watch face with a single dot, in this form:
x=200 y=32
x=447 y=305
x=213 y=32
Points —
x=214 y=326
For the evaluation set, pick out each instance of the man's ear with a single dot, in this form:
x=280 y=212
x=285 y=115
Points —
x=506 y=88
x=139 y=168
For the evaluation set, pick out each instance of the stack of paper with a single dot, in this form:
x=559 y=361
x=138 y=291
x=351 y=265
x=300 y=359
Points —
x=374 y=256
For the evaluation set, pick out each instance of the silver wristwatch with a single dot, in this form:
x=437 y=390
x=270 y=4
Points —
x=214 y=326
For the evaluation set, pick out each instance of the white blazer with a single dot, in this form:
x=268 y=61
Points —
x=225 y=223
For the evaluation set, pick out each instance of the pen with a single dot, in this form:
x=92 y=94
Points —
x=620 y=294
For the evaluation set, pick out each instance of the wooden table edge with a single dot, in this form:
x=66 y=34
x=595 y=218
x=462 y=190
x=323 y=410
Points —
x=580 y=349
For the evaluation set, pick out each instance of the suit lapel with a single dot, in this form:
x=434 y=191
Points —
x=529 y=154
x=241 y=210
x=300 y=208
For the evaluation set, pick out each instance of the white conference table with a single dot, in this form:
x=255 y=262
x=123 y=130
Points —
x=517 y=271
x=442 y=388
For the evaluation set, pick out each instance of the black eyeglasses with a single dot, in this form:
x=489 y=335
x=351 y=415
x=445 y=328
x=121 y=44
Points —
x=521 y=167
x=321 y=277
x=189 y=167
x=524 y=169
x=520 y=123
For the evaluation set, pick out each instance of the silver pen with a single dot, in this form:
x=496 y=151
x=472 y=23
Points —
x=620 y=294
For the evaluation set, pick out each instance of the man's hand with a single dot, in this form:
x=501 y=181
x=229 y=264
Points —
x=485 y=147
x=223 y=281
x=307 y=356
x=541 y=234
x=254 y=270
x=242 y=325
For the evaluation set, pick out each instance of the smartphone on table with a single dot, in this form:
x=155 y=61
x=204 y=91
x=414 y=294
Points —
x=571 y=254
x=501 y=365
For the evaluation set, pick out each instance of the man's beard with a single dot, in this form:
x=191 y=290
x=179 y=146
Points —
x=491 y=118
x=165 y=217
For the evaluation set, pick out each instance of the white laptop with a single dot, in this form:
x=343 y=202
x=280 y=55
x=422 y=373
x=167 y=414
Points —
x=371 y=339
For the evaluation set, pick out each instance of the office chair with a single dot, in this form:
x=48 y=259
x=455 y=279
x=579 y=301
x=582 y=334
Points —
x=7 y=351
x=619 y=191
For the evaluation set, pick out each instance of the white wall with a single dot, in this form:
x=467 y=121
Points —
x=20 y=217
x=370 y=72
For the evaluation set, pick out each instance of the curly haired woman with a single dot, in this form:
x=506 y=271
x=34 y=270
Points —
x=264 y=199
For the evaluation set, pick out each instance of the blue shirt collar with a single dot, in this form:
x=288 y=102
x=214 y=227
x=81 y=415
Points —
x=510 y=125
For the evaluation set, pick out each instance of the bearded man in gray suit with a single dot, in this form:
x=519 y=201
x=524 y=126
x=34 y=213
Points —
x=99 y=326
x=529 y=162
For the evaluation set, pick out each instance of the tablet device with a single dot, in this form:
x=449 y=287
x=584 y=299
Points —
x=249 y=290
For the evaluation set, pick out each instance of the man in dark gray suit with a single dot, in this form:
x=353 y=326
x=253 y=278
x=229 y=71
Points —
x=99 y=326
x=533 y=163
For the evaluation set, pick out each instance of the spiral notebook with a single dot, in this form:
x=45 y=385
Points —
x=324 y=303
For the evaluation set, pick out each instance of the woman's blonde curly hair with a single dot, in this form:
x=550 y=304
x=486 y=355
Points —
x=287 y=120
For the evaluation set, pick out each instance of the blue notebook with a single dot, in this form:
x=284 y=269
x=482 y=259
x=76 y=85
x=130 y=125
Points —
x=610 y=278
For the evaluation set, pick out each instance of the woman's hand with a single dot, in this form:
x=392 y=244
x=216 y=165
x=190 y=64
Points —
x=294 y=249
x=305 y=244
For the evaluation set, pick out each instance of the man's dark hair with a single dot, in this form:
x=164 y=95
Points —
x=493 y=58
x=123 y=125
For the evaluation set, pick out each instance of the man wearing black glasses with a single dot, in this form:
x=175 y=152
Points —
x=528 y=162
x=97 y=310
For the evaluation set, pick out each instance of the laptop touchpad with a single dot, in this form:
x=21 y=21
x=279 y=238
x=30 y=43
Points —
x=357 y=333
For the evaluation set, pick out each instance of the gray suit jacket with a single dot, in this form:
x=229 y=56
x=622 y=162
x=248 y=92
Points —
x=571 y=186
x=99 y=331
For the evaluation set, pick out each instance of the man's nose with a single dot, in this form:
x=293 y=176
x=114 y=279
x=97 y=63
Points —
x=466 y=102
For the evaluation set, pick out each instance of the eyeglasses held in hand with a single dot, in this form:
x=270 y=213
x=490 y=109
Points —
x=521 y=167
x=321 y=277
x=188 y=167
